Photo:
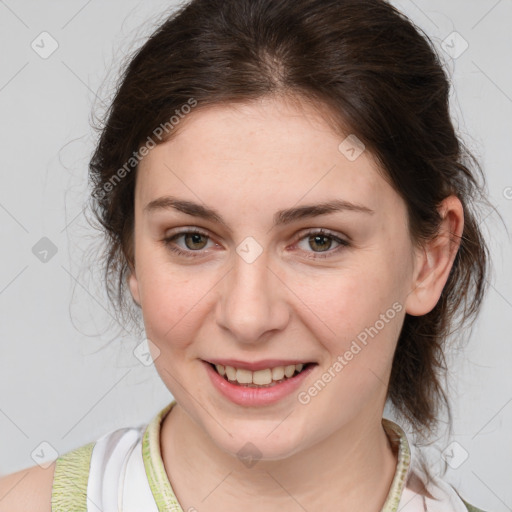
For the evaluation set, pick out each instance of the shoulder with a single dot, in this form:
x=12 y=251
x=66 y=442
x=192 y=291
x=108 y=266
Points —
x=64 y=482
x=28 y=489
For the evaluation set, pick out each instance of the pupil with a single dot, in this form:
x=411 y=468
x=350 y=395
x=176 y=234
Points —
x=320 y=237
x=195 y=238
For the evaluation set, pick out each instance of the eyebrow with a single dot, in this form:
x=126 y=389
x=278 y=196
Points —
x=282 y=217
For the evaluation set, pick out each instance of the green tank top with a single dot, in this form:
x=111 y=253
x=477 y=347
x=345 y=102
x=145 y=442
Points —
x=72 y=472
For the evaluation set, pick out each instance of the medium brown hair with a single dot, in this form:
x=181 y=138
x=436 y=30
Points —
x=379 y=77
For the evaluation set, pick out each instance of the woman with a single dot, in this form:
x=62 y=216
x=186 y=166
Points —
x=285 y=199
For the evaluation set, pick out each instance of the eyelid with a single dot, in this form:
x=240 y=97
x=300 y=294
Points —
x=186 y=231
x=322 y=231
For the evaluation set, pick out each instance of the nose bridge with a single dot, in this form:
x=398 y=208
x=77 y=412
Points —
x=252 y=302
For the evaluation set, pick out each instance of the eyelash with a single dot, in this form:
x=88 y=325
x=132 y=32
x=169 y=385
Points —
x=168 y=242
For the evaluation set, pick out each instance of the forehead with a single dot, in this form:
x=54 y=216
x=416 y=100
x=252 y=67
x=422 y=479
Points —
x=269 y=152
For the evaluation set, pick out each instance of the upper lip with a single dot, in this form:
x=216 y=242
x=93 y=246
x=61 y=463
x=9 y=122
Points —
x=256 y=365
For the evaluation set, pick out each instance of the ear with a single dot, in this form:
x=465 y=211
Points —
x=133 y=284
x=434 y=261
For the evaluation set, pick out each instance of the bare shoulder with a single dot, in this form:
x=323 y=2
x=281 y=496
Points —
x=28 y=489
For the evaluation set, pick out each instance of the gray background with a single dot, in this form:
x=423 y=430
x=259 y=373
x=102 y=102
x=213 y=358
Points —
x=62 y=382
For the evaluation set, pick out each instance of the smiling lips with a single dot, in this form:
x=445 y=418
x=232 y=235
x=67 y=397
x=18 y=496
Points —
x=243 y=390
x=256 y=365
x=262 y=373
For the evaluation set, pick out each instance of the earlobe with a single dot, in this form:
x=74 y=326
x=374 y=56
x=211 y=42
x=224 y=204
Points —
x=420 y=298
x=133 y=284
x=434 y=262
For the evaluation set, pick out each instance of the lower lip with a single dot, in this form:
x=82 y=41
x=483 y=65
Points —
x=253 y=397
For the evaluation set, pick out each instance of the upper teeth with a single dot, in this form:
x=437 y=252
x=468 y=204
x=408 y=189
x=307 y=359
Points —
x=260 y=377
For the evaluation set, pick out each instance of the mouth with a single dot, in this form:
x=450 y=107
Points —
x=264 y=378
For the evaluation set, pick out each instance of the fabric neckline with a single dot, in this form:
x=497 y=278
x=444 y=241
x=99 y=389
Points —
x=165 y=498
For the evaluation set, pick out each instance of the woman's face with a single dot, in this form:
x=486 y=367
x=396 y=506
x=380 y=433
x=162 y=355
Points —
x=249 y=290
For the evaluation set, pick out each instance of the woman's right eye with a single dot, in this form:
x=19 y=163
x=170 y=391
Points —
x=191 y=238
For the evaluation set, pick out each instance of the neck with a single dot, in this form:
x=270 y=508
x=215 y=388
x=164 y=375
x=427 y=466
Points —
x=351 y=470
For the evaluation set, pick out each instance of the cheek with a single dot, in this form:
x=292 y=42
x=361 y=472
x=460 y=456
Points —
x=360 y=312
x=352 y=297
x=364 y=316
x=172 y=300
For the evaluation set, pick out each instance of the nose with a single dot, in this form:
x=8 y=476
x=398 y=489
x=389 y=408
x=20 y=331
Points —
x=253 y=301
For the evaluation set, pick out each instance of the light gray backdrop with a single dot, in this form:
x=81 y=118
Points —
x=58 y=390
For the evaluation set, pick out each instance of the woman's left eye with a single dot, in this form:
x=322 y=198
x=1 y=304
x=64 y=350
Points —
x=318 y=238
x=193 y=244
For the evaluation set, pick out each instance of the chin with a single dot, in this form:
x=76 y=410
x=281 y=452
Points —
x=251 y=443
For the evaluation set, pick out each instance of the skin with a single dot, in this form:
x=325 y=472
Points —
x=247 y=162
